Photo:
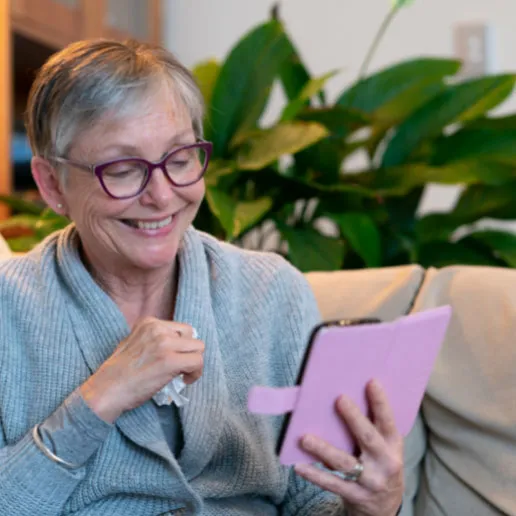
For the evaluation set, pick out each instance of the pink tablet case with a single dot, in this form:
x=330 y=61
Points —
x=400 y=354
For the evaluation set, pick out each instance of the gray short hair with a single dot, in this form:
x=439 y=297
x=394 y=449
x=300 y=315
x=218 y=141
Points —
x=80 y=83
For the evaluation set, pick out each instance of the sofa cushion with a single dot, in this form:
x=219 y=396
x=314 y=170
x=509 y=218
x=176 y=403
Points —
x=385 y=293
x=470 y=409
x=5 y=252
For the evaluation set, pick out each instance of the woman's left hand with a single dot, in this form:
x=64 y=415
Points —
x=378 y=491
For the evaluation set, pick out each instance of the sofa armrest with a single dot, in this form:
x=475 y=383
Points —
x=385 y=293
x=469 y=407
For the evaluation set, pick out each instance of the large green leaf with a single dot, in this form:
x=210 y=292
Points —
x=401 y=107
x=236 y=217
x=308 y=250
x=22 y=244
x=263 y=147
x=484 y=144
x=244 y=82
x=218 y=169
x=49 y=222
x=206 y=74
x=338 y=120
x=294 y=76
x=322 y=162
x=222 y=206
x=249 y=213
x=480 y=201
x=475 y=203
x=501 y=243
x=442 y=254
x=311 y=88
x=26 y=221
x=457 y=103
x=362 y=235
x=436 y=226
x=21 y=205
x=404 y=86
x=397 y=181
x=501 y=122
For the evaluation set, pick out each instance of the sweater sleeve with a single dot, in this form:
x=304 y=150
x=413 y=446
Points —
x=74 y=432
x=31 y=482
x=300 y=315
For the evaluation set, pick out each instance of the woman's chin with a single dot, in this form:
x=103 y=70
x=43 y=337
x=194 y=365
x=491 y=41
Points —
x=153 y=259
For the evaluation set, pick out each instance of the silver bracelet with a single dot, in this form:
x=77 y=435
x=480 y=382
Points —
x=41 y=446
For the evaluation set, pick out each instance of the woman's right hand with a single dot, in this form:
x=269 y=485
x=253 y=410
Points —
x=153 y=354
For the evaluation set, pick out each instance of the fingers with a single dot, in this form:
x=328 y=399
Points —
x=328 y=454
x=182 y=330
x=335 y=459
x=159 y=326
x=381 y=409
x=380 y=484
x=350 y=491
x=165 y=336
x=189 y=346
x=191 y=367
x=361 y=427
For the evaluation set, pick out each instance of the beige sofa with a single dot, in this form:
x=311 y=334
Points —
x=461 y=453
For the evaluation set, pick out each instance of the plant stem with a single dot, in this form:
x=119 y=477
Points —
x=379 y=35
x=372 y=49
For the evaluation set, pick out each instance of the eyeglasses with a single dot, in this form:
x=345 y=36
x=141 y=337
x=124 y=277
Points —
x=128 y=177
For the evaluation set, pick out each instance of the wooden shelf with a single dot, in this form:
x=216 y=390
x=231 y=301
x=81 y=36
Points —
x=32 y=30
x=5 y=106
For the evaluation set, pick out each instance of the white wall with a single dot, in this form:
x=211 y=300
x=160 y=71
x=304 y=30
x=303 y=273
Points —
x=337 y=33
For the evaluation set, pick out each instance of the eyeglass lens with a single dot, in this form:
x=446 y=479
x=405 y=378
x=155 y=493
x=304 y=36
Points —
x=126 y=178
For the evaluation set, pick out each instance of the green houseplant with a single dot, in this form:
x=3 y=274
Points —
x=413 y=121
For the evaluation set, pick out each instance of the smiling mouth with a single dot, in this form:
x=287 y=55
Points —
x=142 y=224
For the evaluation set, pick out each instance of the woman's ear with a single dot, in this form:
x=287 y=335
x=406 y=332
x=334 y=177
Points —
x=49 y=185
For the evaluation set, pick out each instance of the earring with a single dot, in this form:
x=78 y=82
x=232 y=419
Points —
x=59 y=206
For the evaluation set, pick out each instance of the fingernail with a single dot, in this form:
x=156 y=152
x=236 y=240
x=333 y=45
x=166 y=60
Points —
x=376 y=384
x=308 y=442
x=342 y=401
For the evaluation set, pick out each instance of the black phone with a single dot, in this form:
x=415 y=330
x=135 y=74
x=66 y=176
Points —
x=306 y=356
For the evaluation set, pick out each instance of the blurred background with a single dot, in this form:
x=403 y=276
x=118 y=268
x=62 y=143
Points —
x=442 y=196
x=336 y=34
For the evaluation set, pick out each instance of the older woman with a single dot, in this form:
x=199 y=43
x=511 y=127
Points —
x=101 y=316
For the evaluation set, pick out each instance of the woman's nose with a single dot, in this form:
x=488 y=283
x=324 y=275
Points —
x=159 y=190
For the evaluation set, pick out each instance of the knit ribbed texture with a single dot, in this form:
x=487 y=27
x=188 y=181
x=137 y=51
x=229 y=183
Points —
x=74 y=432
x=253 y=311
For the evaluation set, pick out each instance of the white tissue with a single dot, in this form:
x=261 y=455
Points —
x=172 y=391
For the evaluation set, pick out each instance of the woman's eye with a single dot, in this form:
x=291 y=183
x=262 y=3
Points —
x=123 y=170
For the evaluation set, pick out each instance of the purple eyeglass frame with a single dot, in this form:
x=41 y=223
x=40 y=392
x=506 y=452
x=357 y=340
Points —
x=97 y=169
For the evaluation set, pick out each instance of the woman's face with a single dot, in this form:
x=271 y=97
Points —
x=118 y=233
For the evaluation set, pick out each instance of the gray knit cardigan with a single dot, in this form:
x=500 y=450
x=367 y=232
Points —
x=57 y=326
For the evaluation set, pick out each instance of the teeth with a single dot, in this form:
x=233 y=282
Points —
x=154 y=225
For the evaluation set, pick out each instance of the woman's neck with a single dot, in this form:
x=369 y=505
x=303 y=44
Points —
x=139 y=293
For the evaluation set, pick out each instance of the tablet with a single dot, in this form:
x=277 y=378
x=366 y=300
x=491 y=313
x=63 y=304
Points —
x=341 y=358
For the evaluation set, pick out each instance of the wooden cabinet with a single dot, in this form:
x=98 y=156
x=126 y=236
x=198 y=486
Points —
x=5 y=104
x=52 y=22
x=59 y=22
x=31 y=30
